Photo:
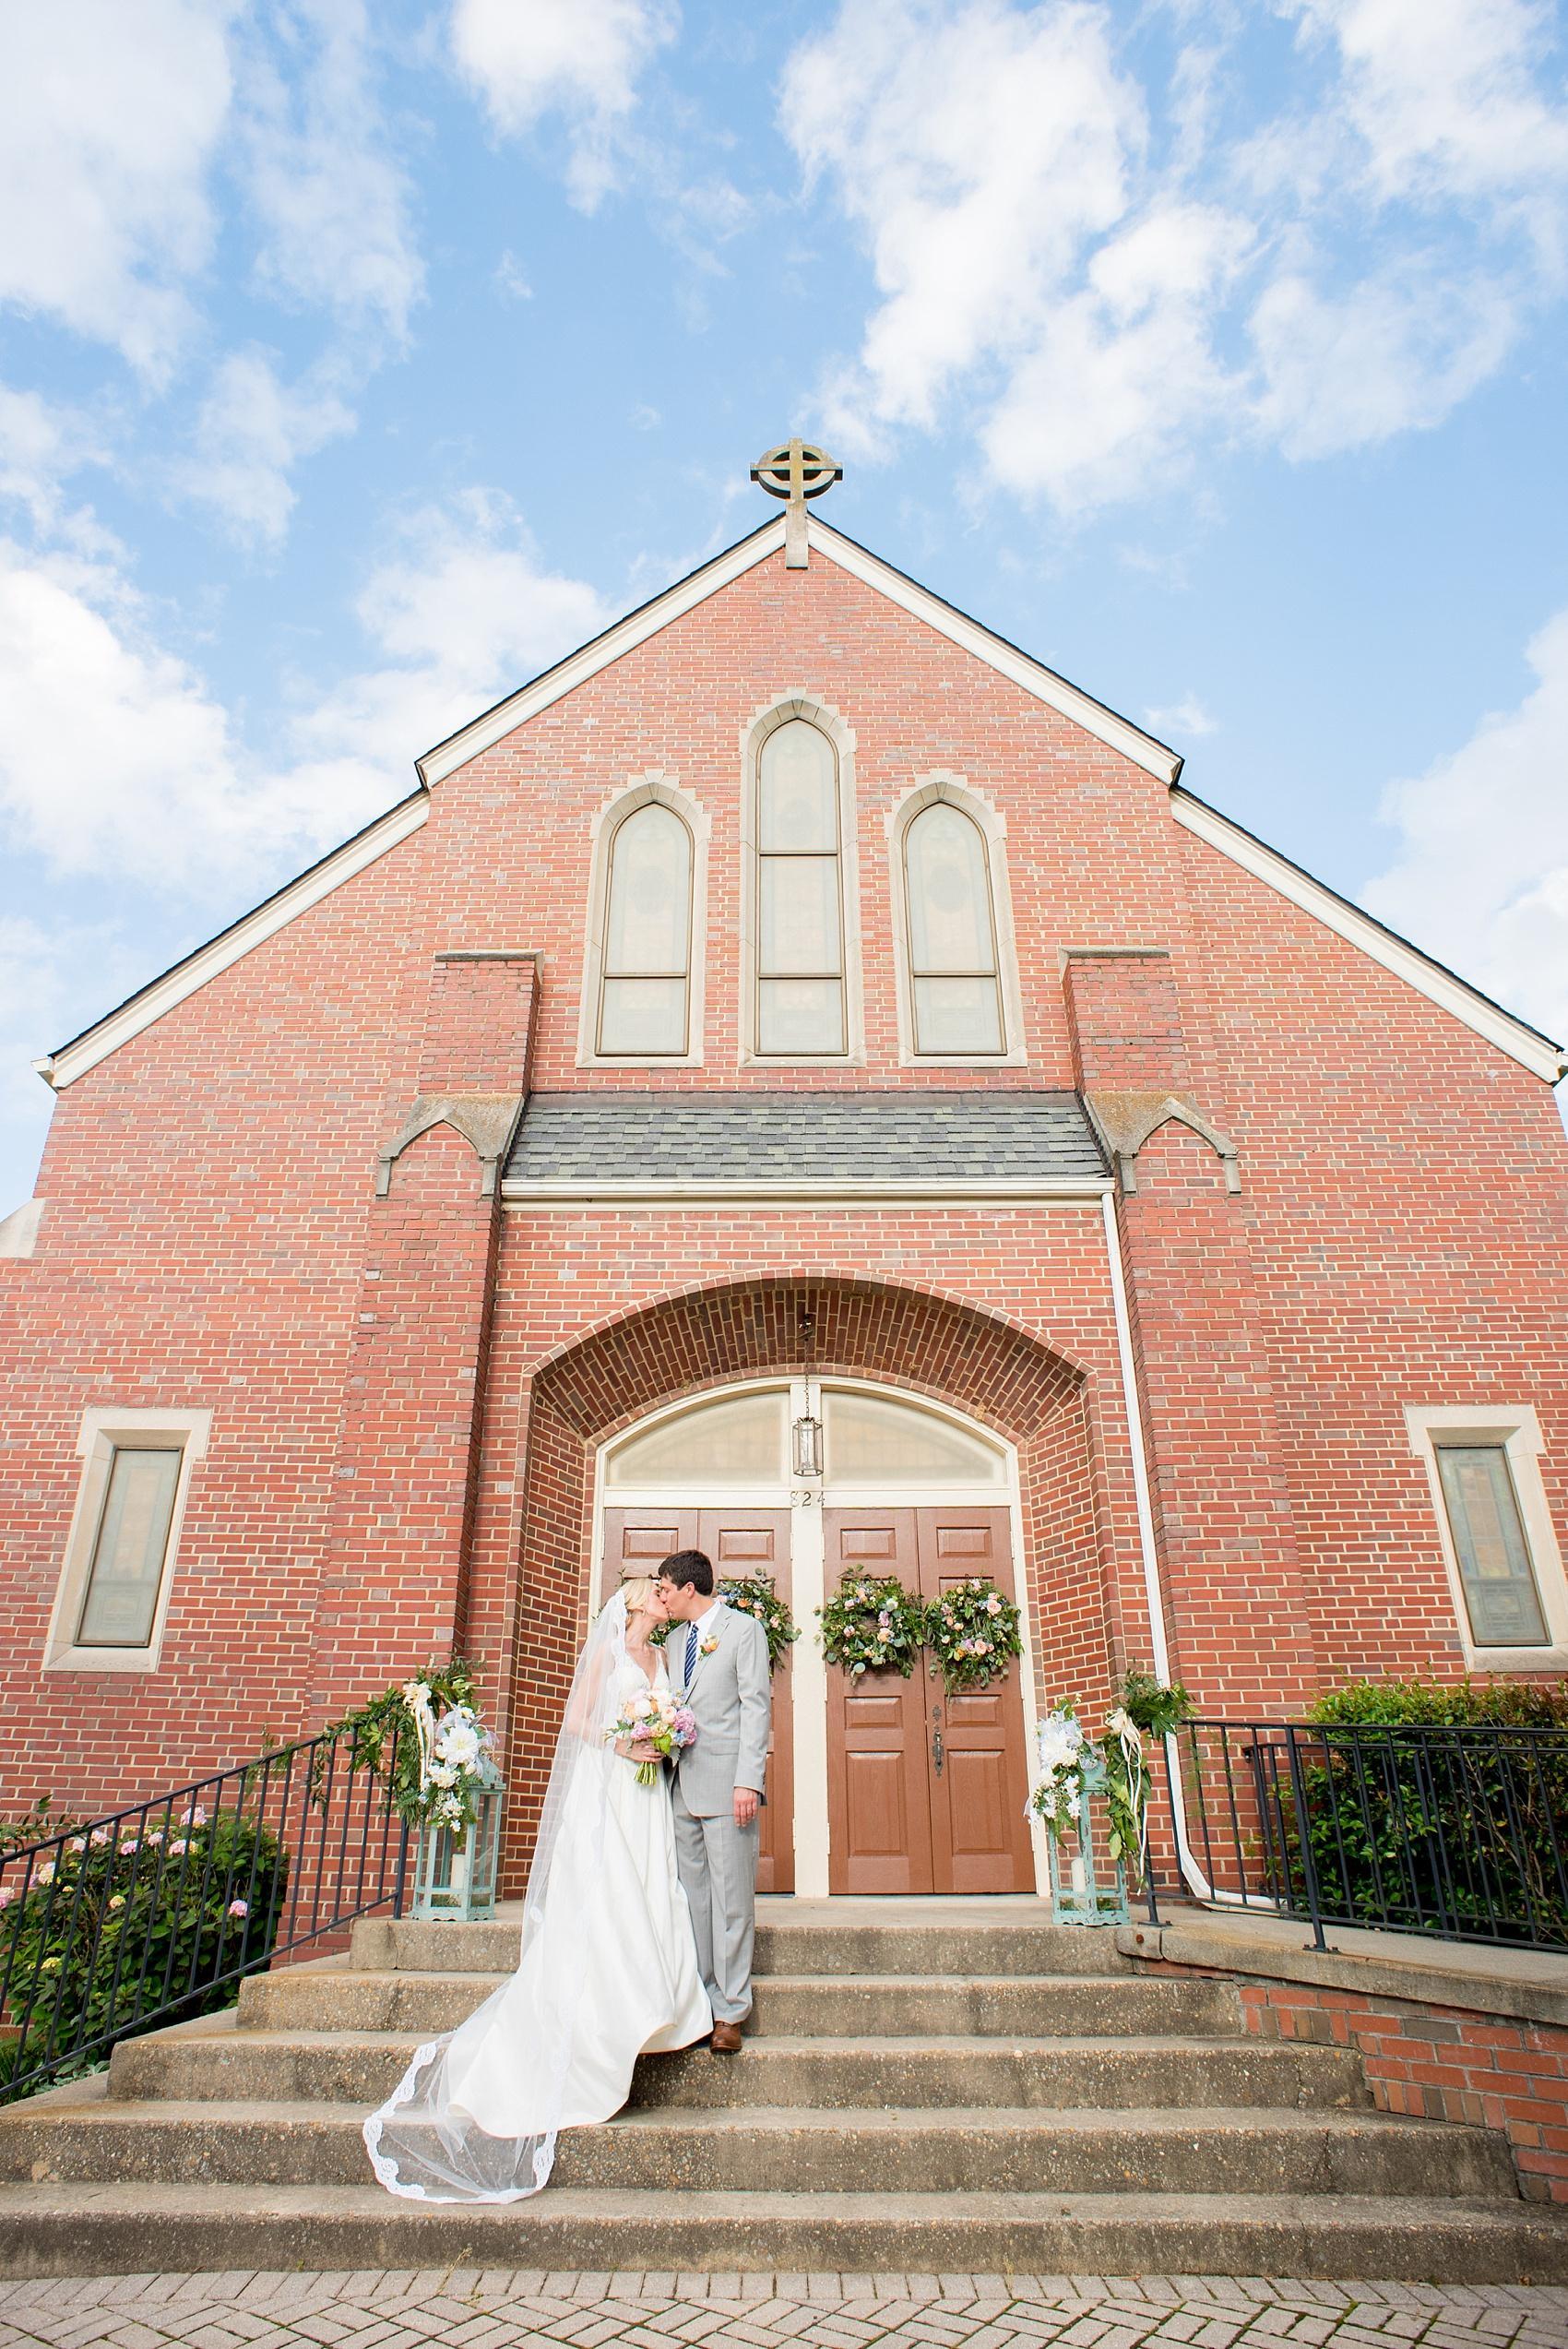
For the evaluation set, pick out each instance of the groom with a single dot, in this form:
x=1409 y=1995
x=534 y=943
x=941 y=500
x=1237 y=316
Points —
x=718 y=1664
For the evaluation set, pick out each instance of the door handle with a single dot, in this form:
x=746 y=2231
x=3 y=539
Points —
x=936 y=1750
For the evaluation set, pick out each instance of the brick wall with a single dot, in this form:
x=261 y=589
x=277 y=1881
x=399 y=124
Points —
x=211 y=1229
x=1442 y=2063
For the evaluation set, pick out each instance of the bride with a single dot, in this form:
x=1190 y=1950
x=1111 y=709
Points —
x=608 y=1968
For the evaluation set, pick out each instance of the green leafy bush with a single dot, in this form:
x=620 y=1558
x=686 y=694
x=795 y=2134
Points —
x=117 y=1929
x=1518 y=1704
x=1452 y=1832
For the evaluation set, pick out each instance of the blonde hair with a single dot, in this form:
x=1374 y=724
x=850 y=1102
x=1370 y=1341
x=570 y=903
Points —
x=638 y=1594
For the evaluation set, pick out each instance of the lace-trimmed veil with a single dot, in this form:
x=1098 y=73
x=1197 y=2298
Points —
x=424 y=2141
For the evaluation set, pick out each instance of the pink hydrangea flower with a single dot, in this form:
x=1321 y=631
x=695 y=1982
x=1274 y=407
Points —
x=239 y=1908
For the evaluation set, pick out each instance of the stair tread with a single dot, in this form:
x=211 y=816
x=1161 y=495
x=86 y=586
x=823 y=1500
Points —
x=789 y=1981
x=567 y=2201
x=933 y=2043
x=127 y=2112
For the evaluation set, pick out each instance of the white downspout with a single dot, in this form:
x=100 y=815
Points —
x=1189 y=1867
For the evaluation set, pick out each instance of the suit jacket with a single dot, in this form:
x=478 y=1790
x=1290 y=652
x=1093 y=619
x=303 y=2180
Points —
x=732 y=1698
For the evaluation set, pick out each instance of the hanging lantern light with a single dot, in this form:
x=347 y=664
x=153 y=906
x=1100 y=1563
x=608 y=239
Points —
x=807 y=1433
x=455 y=1870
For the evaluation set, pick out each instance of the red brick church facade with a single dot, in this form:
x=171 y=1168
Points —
x=1220 y=1228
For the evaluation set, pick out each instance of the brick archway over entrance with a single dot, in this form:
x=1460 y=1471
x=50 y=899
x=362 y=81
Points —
x=906 y=1339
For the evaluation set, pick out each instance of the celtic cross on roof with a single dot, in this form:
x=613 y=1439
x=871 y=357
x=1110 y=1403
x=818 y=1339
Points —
x=794 y=472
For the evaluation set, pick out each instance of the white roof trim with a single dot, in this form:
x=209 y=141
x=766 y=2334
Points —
x=845 y=1190
x=84 y=1051
x=1521 y=1043
x=1031 y=675
x=626 y=634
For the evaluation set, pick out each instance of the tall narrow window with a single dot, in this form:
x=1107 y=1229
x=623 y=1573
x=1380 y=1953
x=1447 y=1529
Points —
x=646 y=975
x=125 y=1574
x=1495 y=1574
x=956 y=998
x=800 y=905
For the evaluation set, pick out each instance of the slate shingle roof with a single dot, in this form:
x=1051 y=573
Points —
x=614 y=1136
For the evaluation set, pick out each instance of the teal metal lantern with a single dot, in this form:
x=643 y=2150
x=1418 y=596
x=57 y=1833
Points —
x=454 y=1871
x=1086 y=1887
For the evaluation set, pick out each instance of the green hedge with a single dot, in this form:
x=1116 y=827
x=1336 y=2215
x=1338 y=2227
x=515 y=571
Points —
x=131 y=1931
x=1514 y=1704
x=1465 y=1835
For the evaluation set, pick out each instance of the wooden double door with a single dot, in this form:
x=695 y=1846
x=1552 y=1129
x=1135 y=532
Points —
x=739 y=1540
x=926 y=1792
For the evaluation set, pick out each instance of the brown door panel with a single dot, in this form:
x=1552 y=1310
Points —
x=757 y=1541
x=876 y=1765
x=980 y=1837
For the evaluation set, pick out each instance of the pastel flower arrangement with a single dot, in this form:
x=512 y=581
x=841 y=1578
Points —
x=658 y=1724
x=972 y=1633
x=752 y=1594
x=873 y=1624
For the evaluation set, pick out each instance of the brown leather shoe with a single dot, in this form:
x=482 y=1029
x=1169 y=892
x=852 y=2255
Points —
x=726 y=2038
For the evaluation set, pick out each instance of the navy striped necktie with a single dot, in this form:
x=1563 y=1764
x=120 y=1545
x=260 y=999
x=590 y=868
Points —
x=691 y=1651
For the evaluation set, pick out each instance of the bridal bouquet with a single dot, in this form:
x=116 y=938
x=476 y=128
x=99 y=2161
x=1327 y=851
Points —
x=656 y=1720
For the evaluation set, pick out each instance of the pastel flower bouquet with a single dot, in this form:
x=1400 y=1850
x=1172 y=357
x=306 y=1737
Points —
x=656 y=1722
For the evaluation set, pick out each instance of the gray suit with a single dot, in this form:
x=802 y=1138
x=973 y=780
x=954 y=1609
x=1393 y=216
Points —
x=730 y=1695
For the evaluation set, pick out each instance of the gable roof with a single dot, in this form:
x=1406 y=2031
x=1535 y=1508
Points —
x=1033 y=675
x=1515 y=1036
x=1534 y=1050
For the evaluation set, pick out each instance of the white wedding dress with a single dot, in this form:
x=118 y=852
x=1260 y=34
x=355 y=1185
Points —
x=608 y=1973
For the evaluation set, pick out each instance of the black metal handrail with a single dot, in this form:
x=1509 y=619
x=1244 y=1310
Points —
x=154 y=1913
x=1457 y=1829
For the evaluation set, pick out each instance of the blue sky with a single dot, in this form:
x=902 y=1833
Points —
x=355 y=363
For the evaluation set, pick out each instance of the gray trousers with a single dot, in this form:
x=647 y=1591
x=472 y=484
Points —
x=717 y=1865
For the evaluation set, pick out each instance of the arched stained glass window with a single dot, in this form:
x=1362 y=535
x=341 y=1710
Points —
x=800 y=896
x=645 y=974
x=956 y=994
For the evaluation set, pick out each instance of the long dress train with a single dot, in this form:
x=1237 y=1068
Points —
x=607 y=1972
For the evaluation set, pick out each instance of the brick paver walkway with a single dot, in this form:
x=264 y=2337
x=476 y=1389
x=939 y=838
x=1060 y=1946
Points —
x=472 y=2308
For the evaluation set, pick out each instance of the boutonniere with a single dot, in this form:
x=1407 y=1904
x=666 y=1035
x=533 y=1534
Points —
x=707 y=1645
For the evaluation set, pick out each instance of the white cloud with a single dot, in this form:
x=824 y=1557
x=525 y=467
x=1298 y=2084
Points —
x=116 y=759
x=1124 y=371
x=1187 y=716
x=1389 y=356
x=580 y=59
x=1480 y=876
x=464 y=613
x=252 y=431
x=41 y=446
x=1442 y=96
x=978 y=150
x=110 y=114
x=328 y=192
x=1101 y=278
x=511 y=279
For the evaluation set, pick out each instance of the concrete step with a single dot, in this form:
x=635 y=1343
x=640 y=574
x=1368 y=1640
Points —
x=96 y=2139
x=49 y=2229
x=212 y=2058
x=1015 y=1944
x=336 y=1998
